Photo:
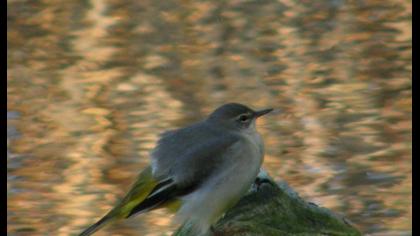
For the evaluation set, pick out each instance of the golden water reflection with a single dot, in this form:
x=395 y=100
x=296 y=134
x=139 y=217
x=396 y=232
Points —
x=91 y=84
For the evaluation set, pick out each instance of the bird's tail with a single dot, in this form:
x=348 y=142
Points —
x=95 y=227
x=135 y=200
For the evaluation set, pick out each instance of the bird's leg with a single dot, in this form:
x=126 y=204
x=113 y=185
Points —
x=259 y=181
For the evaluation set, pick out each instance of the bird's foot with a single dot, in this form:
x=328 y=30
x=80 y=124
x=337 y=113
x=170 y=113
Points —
x=260 y=181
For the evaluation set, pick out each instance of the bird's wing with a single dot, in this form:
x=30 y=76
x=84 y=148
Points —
x=187 y=172
x=189 y=156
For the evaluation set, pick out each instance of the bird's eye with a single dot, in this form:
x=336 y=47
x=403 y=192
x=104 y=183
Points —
x=243 y=118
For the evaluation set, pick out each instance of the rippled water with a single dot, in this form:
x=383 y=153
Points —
x=92 y=83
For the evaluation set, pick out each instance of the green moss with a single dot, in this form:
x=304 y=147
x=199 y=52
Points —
x=276 y=210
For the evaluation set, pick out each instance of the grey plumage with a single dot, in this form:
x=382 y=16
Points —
x=220 y=157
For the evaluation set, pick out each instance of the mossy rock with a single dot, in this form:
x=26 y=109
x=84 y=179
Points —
x=271 y=209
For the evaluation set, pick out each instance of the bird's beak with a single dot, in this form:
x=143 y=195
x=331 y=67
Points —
x=262 y=112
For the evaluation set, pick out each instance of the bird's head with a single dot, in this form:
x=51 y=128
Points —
x=237 y=116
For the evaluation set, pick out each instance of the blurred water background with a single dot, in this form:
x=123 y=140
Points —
x=92 y=83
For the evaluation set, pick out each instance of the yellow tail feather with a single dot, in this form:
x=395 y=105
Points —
x=139 y=191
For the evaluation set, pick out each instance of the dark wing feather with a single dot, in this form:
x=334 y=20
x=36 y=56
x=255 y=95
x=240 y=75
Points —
x=160 y=194
x=164 y=191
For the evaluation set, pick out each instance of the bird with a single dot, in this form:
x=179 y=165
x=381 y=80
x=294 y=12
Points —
x=198 y=171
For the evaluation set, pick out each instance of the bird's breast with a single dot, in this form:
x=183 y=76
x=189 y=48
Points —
x=255 y=140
